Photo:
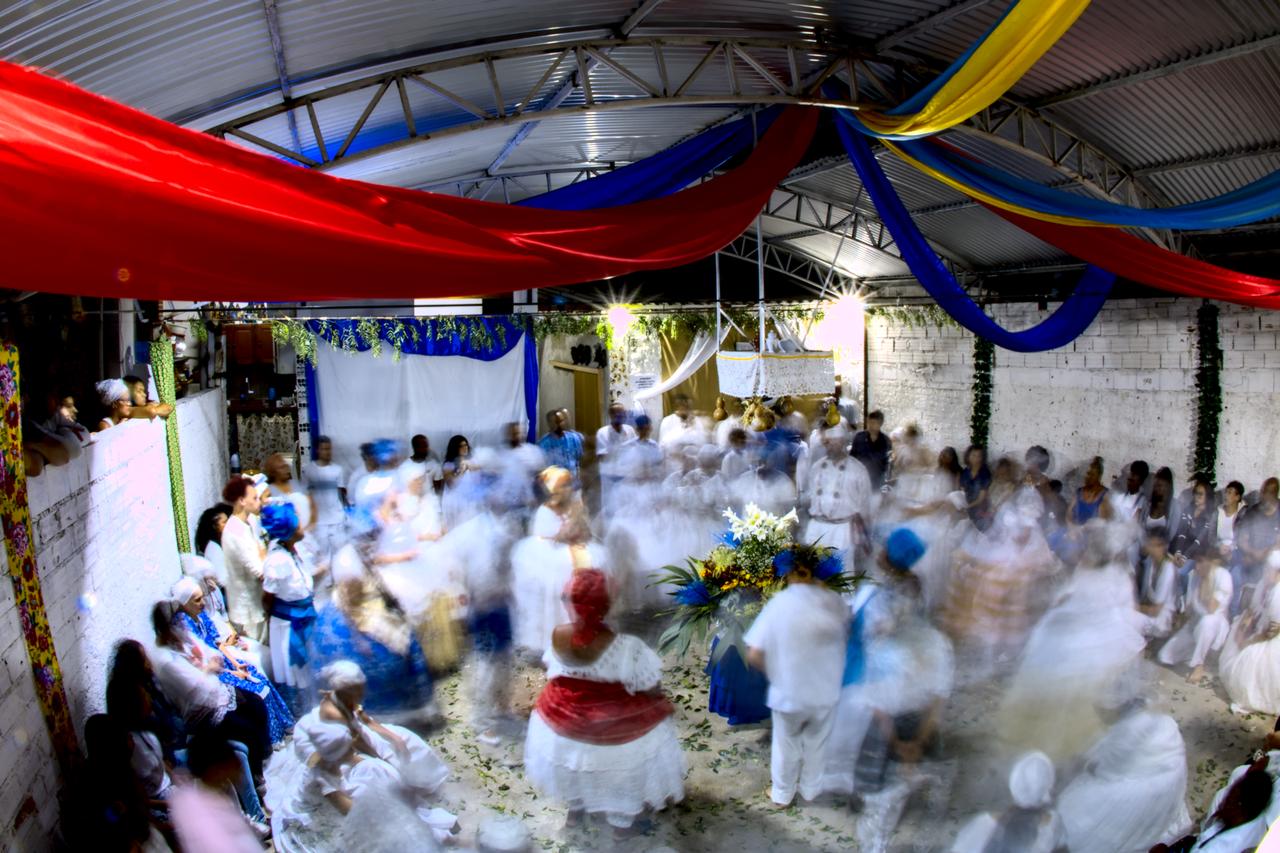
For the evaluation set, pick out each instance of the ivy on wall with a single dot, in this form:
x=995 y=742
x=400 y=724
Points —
x=379 y=334
x=984 y=360
x=1208 y=389
x=914 y=316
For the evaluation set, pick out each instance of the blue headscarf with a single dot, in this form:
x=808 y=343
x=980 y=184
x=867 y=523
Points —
x=384 y=451
x=903 y=549
x=279 y=519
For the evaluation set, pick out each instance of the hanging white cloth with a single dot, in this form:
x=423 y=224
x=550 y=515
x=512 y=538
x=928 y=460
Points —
x=704 y=346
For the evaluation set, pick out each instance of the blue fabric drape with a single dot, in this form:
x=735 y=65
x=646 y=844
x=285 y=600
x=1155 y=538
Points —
x=425 y=336
x=662 y=174
x=1251 y=203
x=1061 y=327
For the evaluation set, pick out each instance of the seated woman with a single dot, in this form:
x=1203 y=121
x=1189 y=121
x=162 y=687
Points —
x=601 y=738
x=193 y=633
x=200 y=698
x=288 y=579
x=1030 y=825
x=203 y=572
x=1241 y=812
x=1250 y=663
x=110 y=805
x=366 y=624
x=1206 y=628
x=1131 y=792
x=340 y=752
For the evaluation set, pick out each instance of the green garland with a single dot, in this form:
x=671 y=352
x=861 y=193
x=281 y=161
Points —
x=378 y=333
x=1208 y=388
x=162 y=368
x=984 y=360
x=913 y=315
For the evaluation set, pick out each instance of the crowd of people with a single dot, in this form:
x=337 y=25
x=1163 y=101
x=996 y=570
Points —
x=291 y=665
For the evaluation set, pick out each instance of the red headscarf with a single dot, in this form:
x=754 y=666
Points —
x=587 y=595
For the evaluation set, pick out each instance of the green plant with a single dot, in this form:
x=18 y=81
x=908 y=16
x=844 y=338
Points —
x=984 y=360
x=1208 y=388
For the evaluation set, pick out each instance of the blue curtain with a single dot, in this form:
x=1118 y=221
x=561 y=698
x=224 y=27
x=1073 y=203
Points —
x=1063 y=326
x=1252 y=203
x=664 y=172
x=436 y=336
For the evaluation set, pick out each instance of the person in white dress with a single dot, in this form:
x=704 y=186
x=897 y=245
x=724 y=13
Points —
x=737 y=459
x=636 y=537
x=676 y=427
x=1131 y=792
x=288 y=577
x=1250 y=664
x=325 y=482
x=610 y=439
x=1242 y=811
x=1206 y=627
x=215 y=607
x=544 y=561
x=339 y=754
x=798 y=641
x=601 y=739
x=1158 y=599
x=838 y=493
x=243 y=552
x=1030 y=825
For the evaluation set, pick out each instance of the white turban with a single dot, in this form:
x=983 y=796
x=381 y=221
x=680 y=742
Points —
x=185 y=590
x=347 y=565
x=111 y=390
x=195 y=566
x=342 y=674
x=1031 y=780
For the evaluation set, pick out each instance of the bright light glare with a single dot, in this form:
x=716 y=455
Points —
x=620 y=321
x=841 y=331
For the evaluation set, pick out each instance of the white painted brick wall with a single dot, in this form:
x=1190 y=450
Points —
x=105 y=549
x=1248 y=441
x=922 y=374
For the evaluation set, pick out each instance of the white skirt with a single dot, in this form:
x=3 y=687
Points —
x=1252 y=676
x=622 y=780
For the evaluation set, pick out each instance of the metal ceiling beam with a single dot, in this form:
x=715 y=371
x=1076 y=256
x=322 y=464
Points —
x=282 y=72
x=928 y=23
x=1265 y=150
x=818 y=274
x=789 y=82
x=1160 y=69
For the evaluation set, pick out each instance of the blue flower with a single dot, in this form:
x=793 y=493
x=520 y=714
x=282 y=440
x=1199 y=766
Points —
x=695 y=594
x=784 y=562
x=729 y=539
x=829 y=566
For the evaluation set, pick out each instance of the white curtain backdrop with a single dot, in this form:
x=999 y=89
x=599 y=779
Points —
x=704 y=346
x=362 y=398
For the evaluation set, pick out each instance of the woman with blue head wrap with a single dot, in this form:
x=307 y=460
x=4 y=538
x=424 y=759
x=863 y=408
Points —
x=288 y=580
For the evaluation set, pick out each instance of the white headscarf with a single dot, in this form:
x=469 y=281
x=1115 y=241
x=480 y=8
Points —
x=195 y=566
x=111 y=390
x=342 y=674
x=1031 y=780
x=184 y=590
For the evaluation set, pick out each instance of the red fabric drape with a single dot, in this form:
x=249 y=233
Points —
x=599 y=712
x=1125 y=255
x=102 y=200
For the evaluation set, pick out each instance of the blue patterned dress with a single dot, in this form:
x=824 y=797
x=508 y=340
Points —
x=279 y=720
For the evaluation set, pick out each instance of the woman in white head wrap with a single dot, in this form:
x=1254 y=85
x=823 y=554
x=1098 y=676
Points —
x=204 y=574
x=1131 y=793
x=340 y=752
x=114 y=395
x=1030 y=825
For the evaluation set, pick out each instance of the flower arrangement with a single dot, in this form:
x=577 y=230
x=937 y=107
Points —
x=755 y=556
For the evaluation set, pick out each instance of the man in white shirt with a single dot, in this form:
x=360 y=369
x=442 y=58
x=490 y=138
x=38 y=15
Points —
x=423 y=463
x=611 y=438
x=326 y=486
x=838 y=492
x=674 y=427
x=798 y=641
x=737 y=461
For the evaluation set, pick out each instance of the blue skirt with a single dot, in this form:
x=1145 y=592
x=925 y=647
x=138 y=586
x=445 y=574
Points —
x=279 y=718
x=738 y=692
x=394 y=682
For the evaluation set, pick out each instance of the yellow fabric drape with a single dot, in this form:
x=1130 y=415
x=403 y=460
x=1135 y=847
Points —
x=987 y=198
x=1026 y=34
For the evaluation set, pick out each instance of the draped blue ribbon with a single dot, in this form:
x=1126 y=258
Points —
x=662 y=174
x=301 y=616
x=1061 y=327
x=1251 y=203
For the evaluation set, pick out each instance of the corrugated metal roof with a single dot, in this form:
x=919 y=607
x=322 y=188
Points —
x=184 y=58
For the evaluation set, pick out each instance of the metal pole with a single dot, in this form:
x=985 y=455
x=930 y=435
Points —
x=719 y=334
x=760 y=280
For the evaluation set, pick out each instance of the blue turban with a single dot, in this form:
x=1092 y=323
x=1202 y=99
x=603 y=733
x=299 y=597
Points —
x=279 y=519
x=384 y=451
x=903 y=549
